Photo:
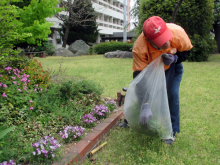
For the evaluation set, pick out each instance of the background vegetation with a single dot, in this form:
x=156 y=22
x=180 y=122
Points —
x=198 y=25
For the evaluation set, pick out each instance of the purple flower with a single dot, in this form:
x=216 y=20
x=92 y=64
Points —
x=0 y=75
x=8 y=68
x=38 y=151
x=47 y=145
x=0 y=84
x=70 y=131
x=4 y=95
x=89 y=118
x=36 y=144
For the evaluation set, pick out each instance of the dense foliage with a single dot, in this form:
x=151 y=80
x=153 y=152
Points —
x=197 y=24
x=24 y=25
x=112 y=46
x=38 y=108
x=87 y=31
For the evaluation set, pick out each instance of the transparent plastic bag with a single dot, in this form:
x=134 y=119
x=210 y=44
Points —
x=149 y=87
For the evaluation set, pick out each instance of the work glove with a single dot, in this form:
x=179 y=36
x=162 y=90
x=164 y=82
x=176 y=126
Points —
x=145 y=114
x=169 y=58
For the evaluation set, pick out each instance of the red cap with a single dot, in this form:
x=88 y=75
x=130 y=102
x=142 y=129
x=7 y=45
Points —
x=156 y=30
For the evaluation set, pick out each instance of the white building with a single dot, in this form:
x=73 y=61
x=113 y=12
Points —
x=110 y=20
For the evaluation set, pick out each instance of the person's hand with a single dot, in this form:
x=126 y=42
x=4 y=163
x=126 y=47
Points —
x=169 y=58
x=145 y=115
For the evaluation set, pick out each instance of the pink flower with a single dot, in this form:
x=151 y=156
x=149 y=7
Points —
x=45 y=89
x=22 y=69
x=35 y=89
x=4 y=86
x=31 y=108
x=41 y=89
x=9 y=72
x=31 y=101
x=15 y=82
x=37 y=85
x=0 y=84
x=29 y=80
x=4 y=95
x=19 y=90
x=13 y=78
x=0 y=75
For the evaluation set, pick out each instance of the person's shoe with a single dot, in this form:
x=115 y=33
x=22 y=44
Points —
x=169 y=141
x=124 y=124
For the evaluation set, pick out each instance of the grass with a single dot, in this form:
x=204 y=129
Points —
x=199 y=140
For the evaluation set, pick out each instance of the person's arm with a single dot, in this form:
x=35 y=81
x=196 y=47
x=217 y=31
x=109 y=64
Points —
x=182 y=56
x=135 y=73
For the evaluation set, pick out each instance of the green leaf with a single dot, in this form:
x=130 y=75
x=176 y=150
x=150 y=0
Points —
x=3 y=133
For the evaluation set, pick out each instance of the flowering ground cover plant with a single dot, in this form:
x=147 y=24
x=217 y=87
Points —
x=45 y=149
x=71 y=133
x=40 y=110
x=100 y=111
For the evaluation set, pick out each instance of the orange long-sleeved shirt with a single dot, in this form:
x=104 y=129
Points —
x=144 y=53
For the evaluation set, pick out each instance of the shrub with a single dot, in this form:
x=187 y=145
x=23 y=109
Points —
x=14 y=62
x=76 y=90
x=203 y=47
x=112 y=46
x=45 y=46
x=36 y=74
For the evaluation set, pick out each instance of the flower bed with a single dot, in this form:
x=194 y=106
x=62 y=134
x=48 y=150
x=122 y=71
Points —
x=46 y=115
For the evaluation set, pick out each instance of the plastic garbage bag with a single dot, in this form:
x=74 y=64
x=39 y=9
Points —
x=149 y=87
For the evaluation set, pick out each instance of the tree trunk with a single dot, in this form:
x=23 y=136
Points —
x=66 y=35
x=175 y=11
x=217 y=35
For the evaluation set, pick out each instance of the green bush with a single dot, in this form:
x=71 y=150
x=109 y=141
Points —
x=112 y=46
x=203 y=47
x=45 y=46
x=18 y=62
x=36 y=74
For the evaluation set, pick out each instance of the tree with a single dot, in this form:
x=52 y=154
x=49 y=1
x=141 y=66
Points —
x=9 y=28
x=197 y=24
x=134 y=13
x=22 y=3
x=79 y=12
x=33 y=19
x=87 y=33
x=216 y=24
x=175 y=11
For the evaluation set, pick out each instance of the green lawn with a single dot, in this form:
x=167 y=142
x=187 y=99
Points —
x=199 y=140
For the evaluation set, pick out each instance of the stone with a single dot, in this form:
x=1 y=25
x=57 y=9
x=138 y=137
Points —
x=63 y=52
x=81 y=52
x=118 y=54
x=79 y=45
